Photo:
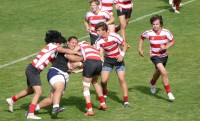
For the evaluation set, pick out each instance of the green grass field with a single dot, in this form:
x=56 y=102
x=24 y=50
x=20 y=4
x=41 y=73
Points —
x=23 y=24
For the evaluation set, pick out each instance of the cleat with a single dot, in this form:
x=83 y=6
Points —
x=102 y=107
x=176 y=11
x=32 y=116
x=55 y=111
x=89 y=113
x=10 y=104
x=152 y=88
x=170 y=96
x=126 y=104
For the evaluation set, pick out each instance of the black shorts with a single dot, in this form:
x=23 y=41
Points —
x=32 y=76
x=92 y=68
x=111 y=62
x=156 y=60
x=127 y=13
x=93 y=38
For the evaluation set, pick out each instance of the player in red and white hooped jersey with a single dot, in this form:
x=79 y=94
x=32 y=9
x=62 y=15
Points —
x=156 y=40
x=92 y=67
x=46 y=55
x=107 y=5
x=53 y=40
x=95 y=16
x=124 y=10
x=160 y=40
x=114 y=57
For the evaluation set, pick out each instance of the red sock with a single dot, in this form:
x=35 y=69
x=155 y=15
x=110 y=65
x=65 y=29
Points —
x=14 y=99
x=153 y=82
x=101 y=99
x=32 y=108
x=167 y=88
x=177 y=7
x=105 y=91
x=89 y=105
x=125 y=98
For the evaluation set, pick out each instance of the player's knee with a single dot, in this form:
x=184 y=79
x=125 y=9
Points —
x=86 y=93
x=86 y=84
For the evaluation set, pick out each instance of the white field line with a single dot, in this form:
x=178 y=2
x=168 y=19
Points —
x=140 y=18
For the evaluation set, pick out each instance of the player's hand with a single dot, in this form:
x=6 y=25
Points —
x=141 y=53
x=88 y=30
x=163 y=47
x=79 y=53
x=120 y=58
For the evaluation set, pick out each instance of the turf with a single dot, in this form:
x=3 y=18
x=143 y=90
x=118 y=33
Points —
x=22 y=28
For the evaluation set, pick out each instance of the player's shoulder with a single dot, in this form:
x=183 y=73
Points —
x=89 y=13
x=147 y=31
x=165 y=30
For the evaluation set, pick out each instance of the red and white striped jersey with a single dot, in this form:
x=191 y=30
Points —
x=94 y=19
x=107 y=5
x=127 y=5
x=111 y=45
x=46 y=55
x=156 y=40
x=89 y=52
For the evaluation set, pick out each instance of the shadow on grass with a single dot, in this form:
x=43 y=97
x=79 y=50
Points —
x=146 y=90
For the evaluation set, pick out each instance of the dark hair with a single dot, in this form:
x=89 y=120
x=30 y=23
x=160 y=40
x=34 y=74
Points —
x=96 y=2
x=72 y=37
x=101 y=25
x=54 y=36
x=156 y=17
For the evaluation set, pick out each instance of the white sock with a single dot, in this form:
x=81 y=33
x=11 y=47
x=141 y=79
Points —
x=56 y=105
x=37 y=107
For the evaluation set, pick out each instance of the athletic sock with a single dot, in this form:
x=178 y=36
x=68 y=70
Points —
x=167 y=88
x=125 y=98
x=105 y=91
x=153 y=82
x=37 y=107
x=32 y=108
x=14 y=99
x=89 y=105
x=56 y=105
x=101 y=99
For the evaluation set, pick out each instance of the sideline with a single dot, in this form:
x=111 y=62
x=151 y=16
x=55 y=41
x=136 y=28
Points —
x=140 y=18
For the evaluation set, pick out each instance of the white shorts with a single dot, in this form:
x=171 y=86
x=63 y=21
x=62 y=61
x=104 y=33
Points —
x=55 y=75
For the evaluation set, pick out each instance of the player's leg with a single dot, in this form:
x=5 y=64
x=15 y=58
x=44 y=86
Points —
x=153 y=81
x=86 y=93
x=45 y=102
x=21 y=94
x=122 y=26
x=165 y=80
x=38 y=92
x=98 y=90
x=121 y=77
x=58 y=91
x=105 y=74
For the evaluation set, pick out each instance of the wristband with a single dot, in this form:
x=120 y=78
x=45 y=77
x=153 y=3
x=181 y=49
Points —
x=122 y=53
